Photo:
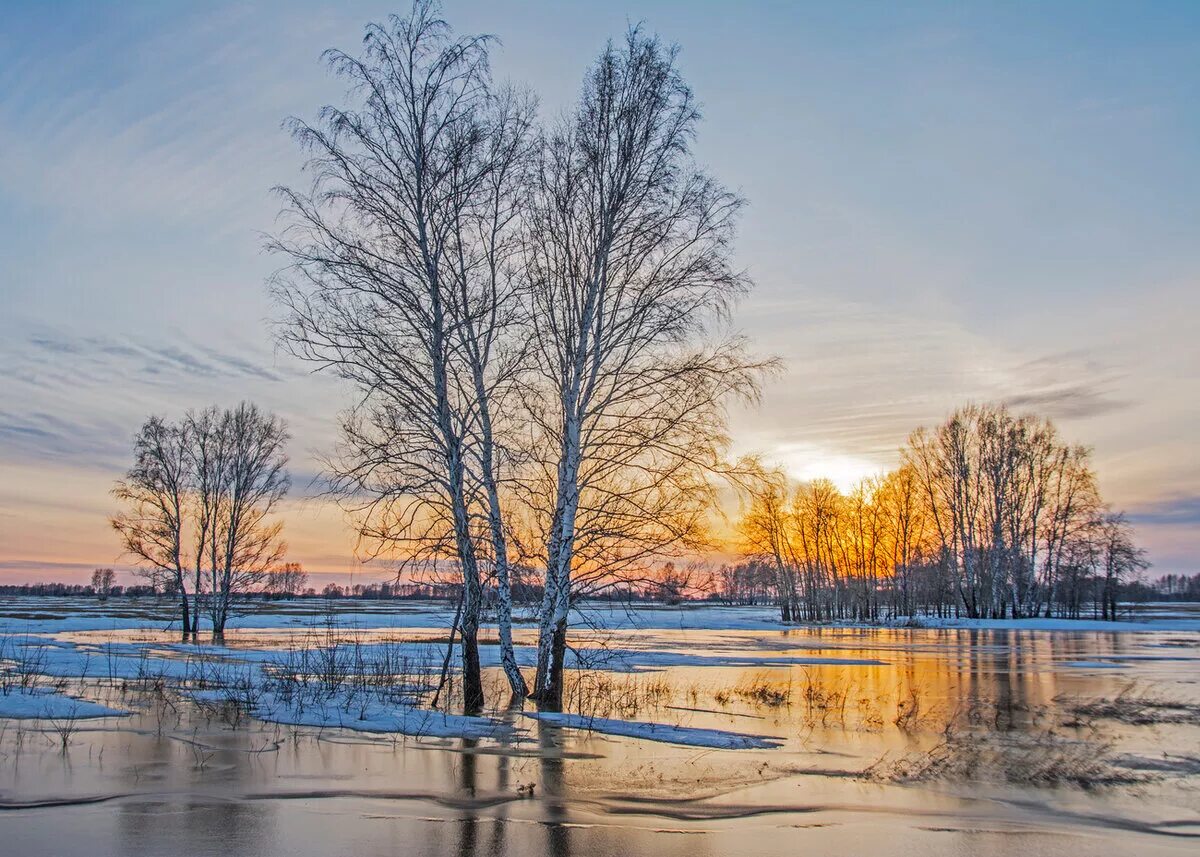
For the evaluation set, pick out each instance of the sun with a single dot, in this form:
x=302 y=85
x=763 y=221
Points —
x=805 y=462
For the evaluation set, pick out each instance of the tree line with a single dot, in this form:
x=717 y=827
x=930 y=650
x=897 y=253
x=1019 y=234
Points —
x=989 y=515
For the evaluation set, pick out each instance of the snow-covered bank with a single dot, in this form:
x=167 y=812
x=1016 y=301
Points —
x=1058 y=625
x=45 y=703
x=372 y=715
x=44 y=616
x=717 y=739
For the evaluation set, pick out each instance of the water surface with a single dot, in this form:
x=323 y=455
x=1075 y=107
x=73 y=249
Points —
x=889 y=741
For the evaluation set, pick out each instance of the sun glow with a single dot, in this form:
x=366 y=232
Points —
x=806 y=462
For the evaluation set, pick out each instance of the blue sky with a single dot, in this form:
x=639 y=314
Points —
x=948 y=202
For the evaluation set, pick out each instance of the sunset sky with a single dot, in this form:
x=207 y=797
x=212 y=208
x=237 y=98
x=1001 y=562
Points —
x=947 y=203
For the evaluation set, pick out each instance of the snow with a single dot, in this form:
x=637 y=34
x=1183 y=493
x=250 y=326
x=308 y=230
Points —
x=1057 y=625
x=62 y=659
x=41 y=702
x=374 y=716
x=754 y=632
x=53 y=615
x=630 y=660
x=718 y=739
x=179 y=662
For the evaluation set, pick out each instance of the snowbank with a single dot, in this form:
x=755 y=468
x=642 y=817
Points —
x=42 y=702
x=51 y=616
x=374 y=716
x=718 y=739
x=1059 y=625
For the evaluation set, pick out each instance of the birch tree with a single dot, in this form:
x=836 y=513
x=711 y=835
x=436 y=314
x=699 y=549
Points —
x=1120 y=558
x=156 y=491
x=200 y=498
x=401 y=282
x=905 y=521
x=989 y=514
x=765 y=529
x=246 y=479
x=629 y=270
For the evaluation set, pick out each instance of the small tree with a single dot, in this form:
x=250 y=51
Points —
x=102 y=582
x=287 y=580
x=241 y=480
x=673 y=585
x=156 y=492
x=1120 y=559
x=212 y=481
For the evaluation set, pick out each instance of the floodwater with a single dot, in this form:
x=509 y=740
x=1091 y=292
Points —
x=890 y=741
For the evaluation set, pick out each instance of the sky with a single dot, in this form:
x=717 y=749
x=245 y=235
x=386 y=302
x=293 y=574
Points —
x=948 y=202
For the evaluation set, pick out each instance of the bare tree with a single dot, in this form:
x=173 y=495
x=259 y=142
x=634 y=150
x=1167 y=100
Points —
x=243 y=479
x=1004 y=494
x=208 y=462
x=156 y=490
x=765 y=528
x=1120 y=559
x=1073 y=502
x=486 y=305
x=102 y=582
x=205 y=488
x=673 y=584
x=906 y=522
x=629 y=269
x=287 y=580
x=400 y=282
x=989 y=514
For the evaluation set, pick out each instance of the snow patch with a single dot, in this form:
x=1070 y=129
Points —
x=1069 y=625
x=44 y=703
x=718 y=739
x=374 y=716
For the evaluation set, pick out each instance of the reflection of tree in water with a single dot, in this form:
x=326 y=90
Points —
x=201 y=826
x=948 y=706
x=558 y=835
x=482 y=837
x=468 y=824
x=1005 y=721
x=190 y=822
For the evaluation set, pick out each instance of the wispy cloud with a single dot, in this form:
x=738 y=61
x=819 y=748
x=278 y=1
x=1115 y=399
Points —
x=1073 y=402
x=99 y=357
x=79 y=398
x=1175 y=511
x=87 y=439
x=1067 y=385
x=971 y=214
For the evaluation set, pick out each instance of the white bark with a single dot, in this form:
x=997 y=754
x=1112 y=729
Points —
x=628 y=266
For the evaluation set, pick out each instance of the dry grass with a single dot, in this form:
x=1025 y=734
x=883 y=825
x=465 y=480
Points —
x=1133 y=706
x=22 y=662
x=1019 y=758
x=761 y=689
x=825 y=703
x=594 y=693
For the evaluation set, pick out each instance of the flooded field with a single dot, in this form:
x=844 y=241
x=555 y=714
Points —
x=690 y=731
